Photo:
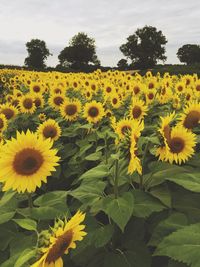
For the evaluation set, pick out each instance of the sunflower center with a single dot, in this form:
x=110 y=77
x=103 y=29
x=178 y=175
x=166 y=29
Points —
x=36 y=89
x=108 y=89
x=28 y=103
x=151 y=85
x=27 y=161
x=192 y=119
x=58 y=100
x=57 y=91
x=15 y=102
x=176 y=145
x=150 y=96
x=49 y=131
x=59 y=248
x=136 y=112
x=9 y=113
x=93 y=112
x=1 y=123
x=180 y=88
x=93 y=87
x=114 y=101
x=125 y=129
x=198 y=87
x=136 y=90
x=37 y=102
x=71 y=109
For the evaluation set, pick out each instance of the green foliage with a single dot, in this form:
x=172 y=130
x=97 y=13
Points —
x=189 y=54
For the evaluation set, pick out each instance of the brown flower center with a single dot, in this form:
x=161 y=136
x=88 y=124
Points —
x=192 y=120
x=50 y=131
x=93 y=112
x=15 y=102
x=180 y=88
x=27 y=161
x=57 y=91
x=93 y=87
x=59 y=248
x=28 y=103
x=151 y=96
x=125 y=129
x=9 y=113
x=151 y=86
x=136 y=90
x=37 y=102
x=136 y=112
x=1 y=123
x=176 y=145
x=36 y=88
x=114 y=101
x=108 y=89
x=198 y=87
x=71 y=109
x=58 y=100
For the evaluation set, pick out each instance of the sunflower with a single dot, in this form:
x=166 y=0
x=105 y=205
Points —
x=138 y=109
x=62 y=238
x=42 y=117
x=8 y=110
x=36 y=87
x=70 y=109
x=134 y=163
x=93 y=111
x=165 y=126
x=180 y=88
x=26 y=161
x=115 y=100
x=38 y=100
x=56 y=100
x=123 y=127
x=190 y=117
x=3 y=123
x=26 y=104
x=181 y=145
x=49 y=129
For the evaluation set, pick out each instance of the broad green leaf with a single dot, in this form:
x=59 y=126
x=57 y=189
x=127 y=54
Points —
x=27 y=224
x=24 y=257
x=182 y=245
x=174 y=222
x=51 y=198
x=119 y=209
x=7 y=197
x=7 y=216
x=112 y=259
x=190 y=181
x=102 y=235
x=100 y=171
x=162 y=192
x=145 y=204
x=94 y=156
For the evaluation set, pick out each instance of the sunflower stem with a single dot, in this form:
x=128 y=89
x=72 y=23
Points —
x=30 y=201
x=116 y=178
x=106 y=148
x=143 y=161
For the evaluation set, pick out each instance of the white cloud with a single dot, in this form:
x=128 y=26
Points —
x=109 y=22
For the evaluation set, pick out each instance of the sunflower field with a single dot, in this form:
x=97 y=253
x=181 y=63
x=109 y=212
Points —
x=99 y=169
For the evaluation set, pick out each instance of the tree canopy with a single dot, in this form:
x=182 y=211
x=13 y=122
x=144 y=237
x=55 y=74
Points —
x=80 y=53
x=189 y=54
x=37 y=54
x=145 y=47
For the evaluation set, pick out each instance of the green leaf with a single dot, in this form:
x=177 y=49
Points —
x=100 y=171
x=7 y=197
x=94 y=156
x=174 y=222
x=162 y=192
x=7 y=216
x=145 y=204
x=51 y=198
x=190 y=181
x=119 y=209
x=183 y=245
x=102 y=235
x=24 y=257
x=27 y=224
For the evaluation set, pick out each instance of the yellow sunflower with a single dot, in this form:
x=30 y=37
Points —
x=134 y=163
x=26 y=161
x=138 y=109
x=49 y=129
x=190 y=117
x=3 y=123
x=181 y=145
x=8 y=110
x=56 y=100
x=62 y=238
x=36 y=87
x=42 y=117
x=93 y=111
x=38 y=100
x=70 y=109
x=115 y=100
x=165 y=126
x=26 y=104
x=123 y=127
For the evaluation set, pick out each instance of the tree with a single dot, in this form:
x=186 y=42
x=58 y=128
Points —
x=122 y=64
x=189 y=54
x=80 y=52
x=37 y=53
x=145 y=47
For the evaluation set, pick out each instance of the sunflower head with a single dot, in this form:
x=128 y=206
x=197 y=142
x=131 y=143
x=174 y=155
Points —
x=49 y=129
x=27 y=104
x=93 y=111
x=8 y=110
x=70 y=109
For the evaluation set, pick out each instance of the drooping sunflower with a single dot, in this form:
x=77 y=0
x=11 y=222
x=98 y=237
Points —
x=181 y=145
x=49 y=129
x=26 y=104
x=123 y=127
x=134 y=163
x=3 y=123
x=70 y=109
x=190 y=117
x=138 y=109
x=56 y=100
x=93 y=111
x=8 y=110
x=62 y=238
x=26 y=161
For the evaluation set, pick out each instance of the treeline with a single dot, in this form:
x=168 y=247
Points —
x=142 y=50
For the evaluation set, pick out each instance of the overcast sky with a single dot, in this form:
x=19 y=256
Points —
x=109 y=22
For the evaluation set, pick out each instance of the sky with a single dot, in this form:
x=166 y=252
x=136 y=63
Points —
x=109 y=22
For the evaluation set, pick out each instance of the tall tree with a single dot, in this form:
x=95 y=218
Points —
x=122 y=64
x=145 y=47
x=37 y=54
x=189 y=54
x=80 y=52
